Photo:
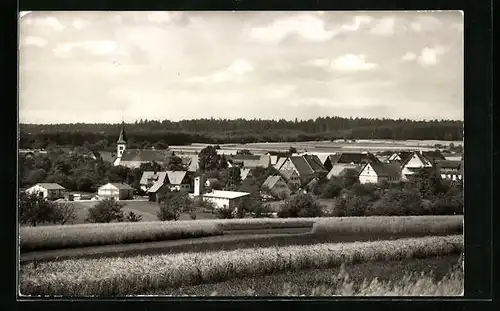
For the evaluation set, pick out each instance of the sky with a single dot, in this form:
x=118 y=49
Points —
x=102 y=67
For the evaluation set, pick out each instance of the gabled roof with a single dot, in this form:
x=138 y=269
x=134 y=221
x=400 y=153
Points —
x=155 y=177
x=338 y=168
x=142 y=155
x=155 y=187
x=315 y=163
x=357 y=158
x=176 y=177
x=447 y=164
x=333 y=158
x=50 y=186
x=121 y=186
x=384 y=169
x=280 y=163
x=225 y=194
x=271 y=181
x=433 y=155
x=287 y=174
x=419 y=155
x=244 y=172
x=307 y=164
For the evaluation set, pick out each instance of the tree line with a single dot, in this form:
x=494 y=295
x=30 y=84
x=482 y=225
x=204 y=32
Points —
x=144 y=133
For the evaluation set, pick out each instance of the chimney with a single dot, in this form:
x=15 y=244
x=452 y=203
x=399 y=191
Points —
x=198 y=186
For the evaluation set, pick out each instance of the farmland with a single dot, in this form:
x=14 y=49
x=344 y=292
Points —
x=143 y=274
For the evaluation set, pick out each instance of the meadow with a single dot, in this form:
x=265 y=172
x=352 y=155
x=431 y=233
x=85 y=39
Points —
x=54 y=237
x=118 y=276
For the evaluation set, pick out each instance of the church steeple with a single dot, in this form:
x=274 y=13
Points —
x=122 y=142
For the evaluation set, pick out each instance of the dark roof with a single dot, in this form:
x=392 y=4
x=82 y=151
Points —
x=154 y=177
x=315 y=163
x=122 y=186
x=307 y=165
x=271 y=181
x=385 y=169
x=333 y=158
x=405 y=155
x=357 y=158
x=287 y=174
x=433 y=155
x=176 y=177
x=419 y=155
x=146 y=155
x=447 y=164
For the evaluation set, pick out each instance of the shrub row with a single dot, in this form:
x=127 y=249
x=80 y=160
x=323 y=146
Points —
x=142 y=274
x=54 y=237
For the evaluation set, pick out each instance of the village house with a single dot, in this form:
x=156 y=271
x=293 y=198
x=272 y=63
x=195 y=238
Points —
x=277 y=186
x=418 y=160
x=377 y=173
x=156 y=191
x=306 y=166
x=117 y=191
x=49 y=191
x=178 y=181
x=451 y=170
x=250 y=161
x=245 y=173
x=292 y=178
x=339 y=169
x=151 y=178
x=220 y=198
x=276 y=155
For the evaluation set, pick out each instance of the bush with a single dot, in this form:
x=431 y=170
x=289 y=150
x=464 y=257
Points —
x=301 y=205
x=168 y=212
x=133 y=217
x=450 y=204
x=106 y=211
x=173 y=204
x=351 y=205
x=225 y=212
x=63 y=212
x=34 y=209
x=332 y=189
x=398 y=203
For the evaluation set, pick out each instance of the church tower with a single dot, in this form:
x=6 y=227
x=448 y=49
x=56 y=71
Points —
x=121 y=144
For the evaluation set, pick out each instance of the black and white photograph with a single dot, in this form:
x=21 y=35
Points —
x=240 y=153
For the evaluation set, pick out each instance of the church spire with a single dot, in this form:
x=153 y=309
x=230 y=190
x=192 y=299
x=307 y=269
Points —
x=122 y=139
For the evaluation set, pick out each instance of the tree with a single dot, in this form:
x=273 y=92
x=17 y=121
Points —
x=244 y=152
x=173 y=204
x=301 y=205
x=63 y=212
x=106 y=211
x=350 y=178
x=292 y=150
x=208 y=159
x=151 y=166
x=225 y=212
x=398 y=203
x=331 y=189
x=234 y=176
x=133 y=217
x=34 y=209
x=175 y=164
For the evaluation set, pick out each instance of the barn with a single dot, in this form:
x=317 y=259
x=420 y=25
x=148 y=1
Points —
x=228 y=199
x=118 y=191
x=50 y=191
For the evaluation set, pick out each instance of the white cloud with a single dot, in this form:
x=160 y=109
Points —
x=318 y=62
x=384 y=27
x=100 y=47
x=352 y=62
x=357 y=22
x=34 y=41
x=409 y=56
x=233 y=72
x=159 y=17
x=417 y=27
x=117 y=19
x=79 y=23
x=52 y=22
x=309 y=27
x=429 y=56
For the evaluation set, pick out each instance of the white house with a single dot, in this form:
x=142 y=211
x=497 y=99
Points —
x=178 y=181
x=339 y=168
x=378 y=172
x=413 y=163
x=118 y=191
x=228 y=199
x=150 y=178
x=50 y=191
x=451 y=170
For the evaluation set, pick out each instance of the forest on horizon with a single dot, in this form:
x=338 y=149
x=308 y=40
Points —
x=146 y=133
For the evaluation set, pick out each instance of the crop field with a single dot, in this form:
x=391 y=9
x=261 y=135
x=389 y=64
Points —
x=144 y=274
x=433 y=276
x=53 y=237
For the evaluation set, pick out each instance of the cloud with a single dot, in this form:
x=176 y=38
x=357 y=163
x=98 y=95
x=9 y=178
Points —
x=50 y=21
x=318 y=62
x=409 y=56
x=236 y=69
x=34 y=41
x=309 y=27
x=417 y=27
x=98 y=47
x=159 y=17
x=79 y=23
x=117 y=19
x=357 y=22
x=384 y=27
x=346 y=63
x=429 y=56
x=278 y=91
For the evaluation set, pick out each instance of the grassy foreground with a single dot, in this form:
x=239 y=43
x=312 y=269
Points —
x=373 y=225
x=435 y=276
x=142 y=274
x=55 y=237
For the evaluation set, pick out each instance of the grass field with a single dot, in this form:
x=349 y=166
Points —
x=374 y=278
x=334 y=228
x=54 y=237
x=144 y=274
